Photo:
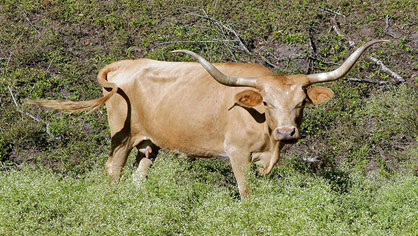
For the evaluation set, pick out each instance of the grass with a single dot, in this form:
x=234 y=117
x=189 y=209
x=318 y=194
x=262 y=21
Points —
x=365 y=137
x=174 y=202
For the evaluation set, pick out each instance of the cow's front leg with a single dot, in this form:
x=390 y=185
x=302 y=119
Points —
x=267 y=160
x=240 y=163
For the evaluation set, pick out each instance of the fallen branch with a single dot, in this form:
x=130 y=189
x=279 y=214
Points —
x=387 y=70
x=330 y=11
x=314 y=52
x=28 y=20
x=330 y=63
x=311 y=159
x=7 y=64
x=339 y=32
x=220 y=24
x=224 y=41
x=371 y=81
x=387 y=30
x=189 y=41
x=267 y=61
x=220 y=29
x=279 y=59
x=387 y=22
x=50 y=63
x=375 y=60
x=293 y=56
x=312 y=44
x=231 y=52
x=30 y=115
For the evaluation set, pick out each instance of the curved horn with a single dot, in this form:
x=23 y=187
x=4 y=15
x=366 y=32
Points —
x=344 y=68
x=219 y=76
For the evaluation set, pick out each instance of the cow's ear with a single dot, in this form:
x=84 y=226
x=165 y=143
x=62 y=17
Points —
x=248 y=98
x=318 y=95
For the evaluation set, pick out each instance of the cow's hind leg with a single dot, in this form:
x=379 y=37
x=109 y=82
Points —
x=142 y=170
x=118 y=156
x=147 y=152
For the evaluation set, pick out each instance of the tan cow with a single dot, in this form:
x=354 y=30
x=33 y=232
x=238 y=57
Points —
x=243 y=111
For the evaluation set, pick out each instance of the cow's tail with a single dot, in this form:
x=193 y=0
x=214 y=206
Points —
x=83 y=105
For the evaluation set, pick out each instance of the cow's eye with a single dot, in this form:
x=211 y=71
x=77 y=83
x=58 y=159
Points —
x=265 y=103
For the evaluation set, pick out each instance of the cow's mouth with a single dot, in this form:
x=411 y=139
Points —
x=289 y=141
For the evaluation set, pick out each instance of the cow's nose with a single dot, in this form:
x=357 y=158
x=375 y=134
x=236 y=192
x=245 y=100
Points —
x=286 y=133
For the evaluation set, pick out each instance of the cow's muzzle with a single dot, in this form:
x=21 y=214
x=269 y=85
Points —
x=289 y=133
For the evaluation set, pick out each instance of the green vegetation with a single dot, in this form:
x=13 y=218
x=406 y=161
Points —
x=366 y=137
x=173 y=201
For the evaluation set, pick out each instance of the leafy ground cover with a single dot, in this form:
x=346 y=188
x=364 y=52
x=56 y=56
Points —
x=175 y=201
x=365 y=138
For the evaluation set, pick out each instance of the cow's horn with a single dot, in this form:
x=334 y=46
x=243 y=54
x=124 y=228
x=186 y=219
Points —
x=219 y=76
x=344 y=68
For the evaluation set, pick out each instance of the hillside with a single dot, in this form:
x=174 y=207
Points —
x=358 y=150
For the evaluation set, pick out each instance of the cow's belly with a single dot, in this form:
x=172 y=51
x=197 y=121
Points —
x=191 y=139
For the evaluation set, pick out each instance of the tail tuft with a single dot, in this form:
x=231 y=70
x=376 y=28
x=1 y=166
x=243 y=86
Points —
x=83 y=105
x=69 y=105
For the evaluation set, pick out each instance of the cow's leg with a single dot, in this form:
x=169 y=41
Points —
x=118 y=157
x=240 y=163
x=138 y=157
x=119 y=112
x=144 y=164
x=147 y=152
x=267 y=160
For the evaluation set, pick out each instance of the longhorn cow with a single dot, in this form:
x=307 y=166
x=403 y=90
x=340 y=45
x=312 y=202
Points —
x=239 y=110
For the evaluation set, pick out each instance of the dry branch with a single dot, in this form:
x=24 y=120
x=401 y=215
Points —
x=387 y=70
x=190 y=41
x=312 y=44
x=7 y=64
x=311 y=159
x=375 y=60
x=371 y=81
x=314 y=52
x=279 y=59
x=30 y=115
x=224 y=31
x=267 y=61
x=222 y=26
x=339 y=32
x=50 y=63
x=330 y=11
x=292 y=56
x=387 y=22
x=28 y=20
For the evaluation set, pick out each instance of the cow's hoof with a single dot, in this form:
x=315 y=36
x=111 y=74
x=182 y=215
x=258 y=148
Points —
x=137 y=179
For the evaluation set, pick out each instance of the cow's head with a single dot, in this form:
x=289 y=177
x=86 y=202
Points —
x=283 y=96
